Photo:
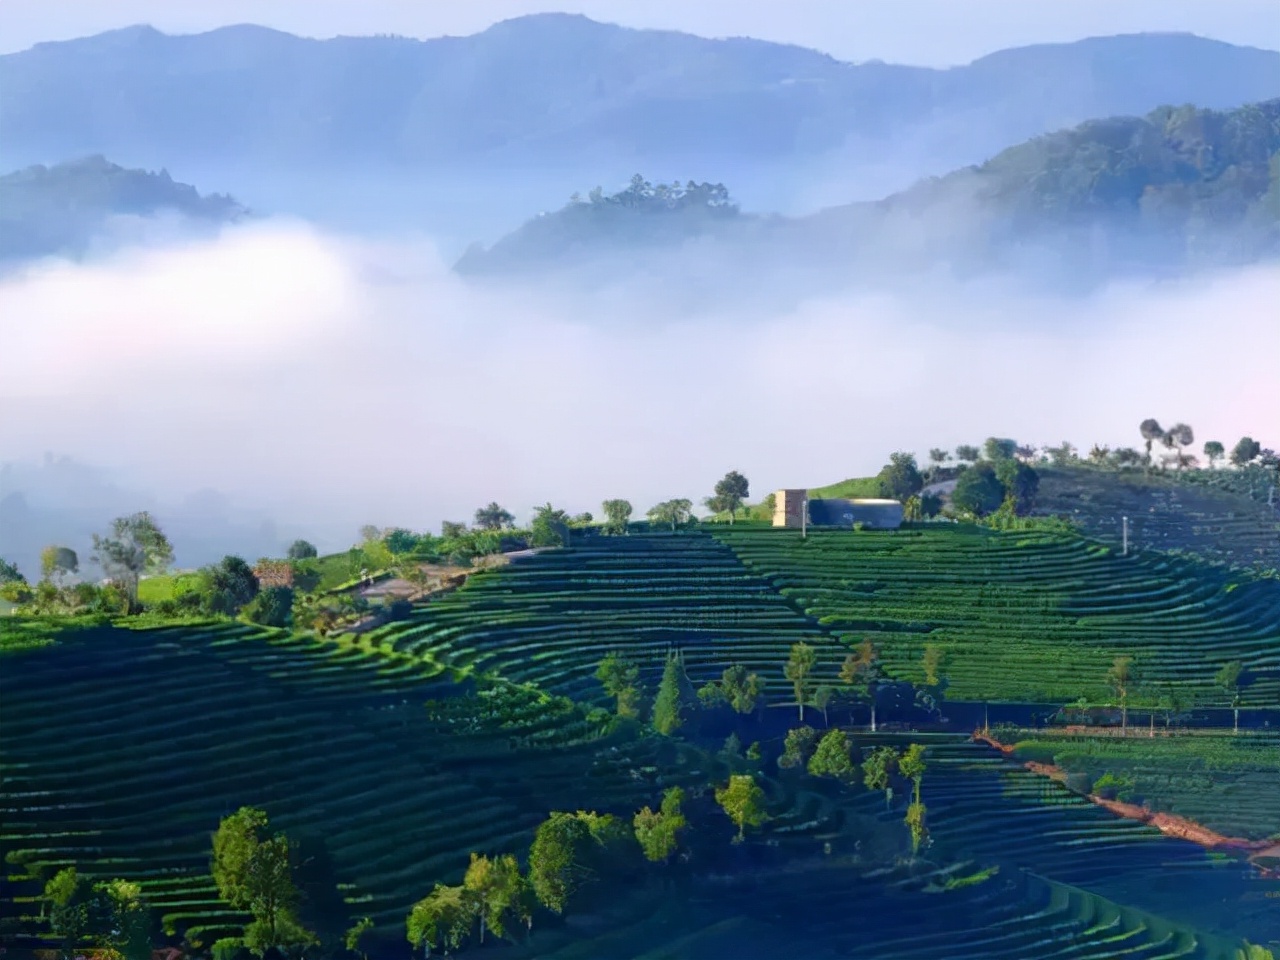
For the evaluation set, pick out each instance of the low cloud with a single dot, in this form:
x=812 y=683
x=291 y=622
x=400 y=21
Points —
x=326 y=381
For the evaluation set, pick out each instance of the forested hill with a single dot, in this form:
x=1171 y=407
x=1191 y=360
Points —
x=644 y=215
x=64 y=208
x=1176 y=189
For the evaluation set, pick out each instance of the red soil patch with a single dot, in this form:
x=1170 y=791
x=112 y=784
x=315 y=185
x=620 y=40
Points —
x=1167 y=823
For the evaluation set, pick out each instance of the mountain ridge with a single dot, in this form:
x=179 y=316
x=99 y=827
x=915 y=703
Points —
x=549 y=87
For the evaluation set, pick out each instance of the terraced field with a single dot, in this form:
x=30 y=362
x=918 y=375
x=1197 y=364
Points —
x=551 y=618
x=121 y=750
x=1227 y=783
x=1072 y=881
x=1025 y=616
x=1164 y=513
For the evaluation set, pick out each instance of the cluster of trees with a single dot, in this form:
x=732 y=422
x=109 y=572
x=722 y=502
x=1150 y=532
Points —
x=111 y=916
x=569 y=851
x=986 y=480
x=134 y=547
x=1128 y=687
x=1176 y=440
x=640 y=194
x=859 y=679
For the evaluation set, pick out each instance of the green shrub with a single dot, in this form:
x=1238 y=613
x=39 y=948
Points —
x=1034 y=751
x=1114 y=786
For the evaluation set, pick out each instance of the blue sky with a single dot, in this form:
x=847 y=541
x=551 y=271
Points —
x=927 y=32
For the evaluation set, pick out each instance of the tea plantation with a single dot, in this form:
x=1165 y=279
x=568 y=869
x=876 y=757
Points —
x=390 y=756
x=1031 y=617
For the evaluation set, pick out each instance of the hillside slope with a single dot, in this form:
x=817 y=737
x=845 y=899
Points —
x=64 y=208
x=1175 y=189
x=1165 y=513
x=159 y=734
x=558 y=88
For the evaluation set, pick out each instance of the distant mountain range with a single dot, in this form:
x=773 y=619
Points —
x=1175 y=189
x=65 y=208
x=563 y=91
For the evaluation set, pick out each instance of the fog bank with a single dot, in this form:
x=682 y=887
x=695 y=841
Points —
x=325 y=382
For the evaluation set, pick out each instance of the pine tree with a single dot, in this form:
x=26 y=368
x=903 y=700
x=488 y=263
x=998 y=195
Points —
x=666 y=706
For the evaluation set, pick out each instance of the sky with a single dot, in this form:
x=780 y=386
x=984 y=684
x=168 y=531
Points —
x=924 y=32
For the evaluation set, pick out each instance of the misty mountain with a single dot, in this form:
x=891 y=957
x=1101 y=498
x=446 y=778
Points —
x=66 y=208
x=1178 y=188
x=556 y=96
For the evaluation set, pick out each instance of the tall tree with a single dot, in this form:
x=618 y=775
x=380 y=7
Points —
x=798 y=747
x=493 y=886
x=1151 y=431
x=1214 y=451
x=743 y=801
x=126 y=931
x=550 y=527
x=967 y=453
x=996 y=449
x=227 y=586
x=731 y=492
x=620 y=678
x=253 y=873
x=1228 y=680
x=1245 y=451
x=440 y=920
x=494 y=517
x=1120 y=678
x=1182 y=436
x=1020 y=483
x=861 y=669
x=900 y=477
x=302 y=550
x=557 y=859
x=673 y=513
x=915 y=821
x=831 y=758
x=912 y=766
x=979 y=490
x=798 y=667
x=658 y=833
x=136 y=545
x=738 y=687
x=58 y=563
x=878 y=770
x=934 y=658
x=617 y=514
x=68 y=900
x=666 y=704
x=938 y=456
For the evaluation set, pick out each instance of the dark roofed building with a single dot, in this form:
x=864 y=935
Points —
x=790 y=511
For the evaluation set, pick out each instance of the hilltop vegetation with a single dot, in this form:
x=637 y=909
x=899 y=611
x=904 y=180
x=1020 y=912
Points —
x=63 y=208
x=1180 y=187
x=644 y=215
